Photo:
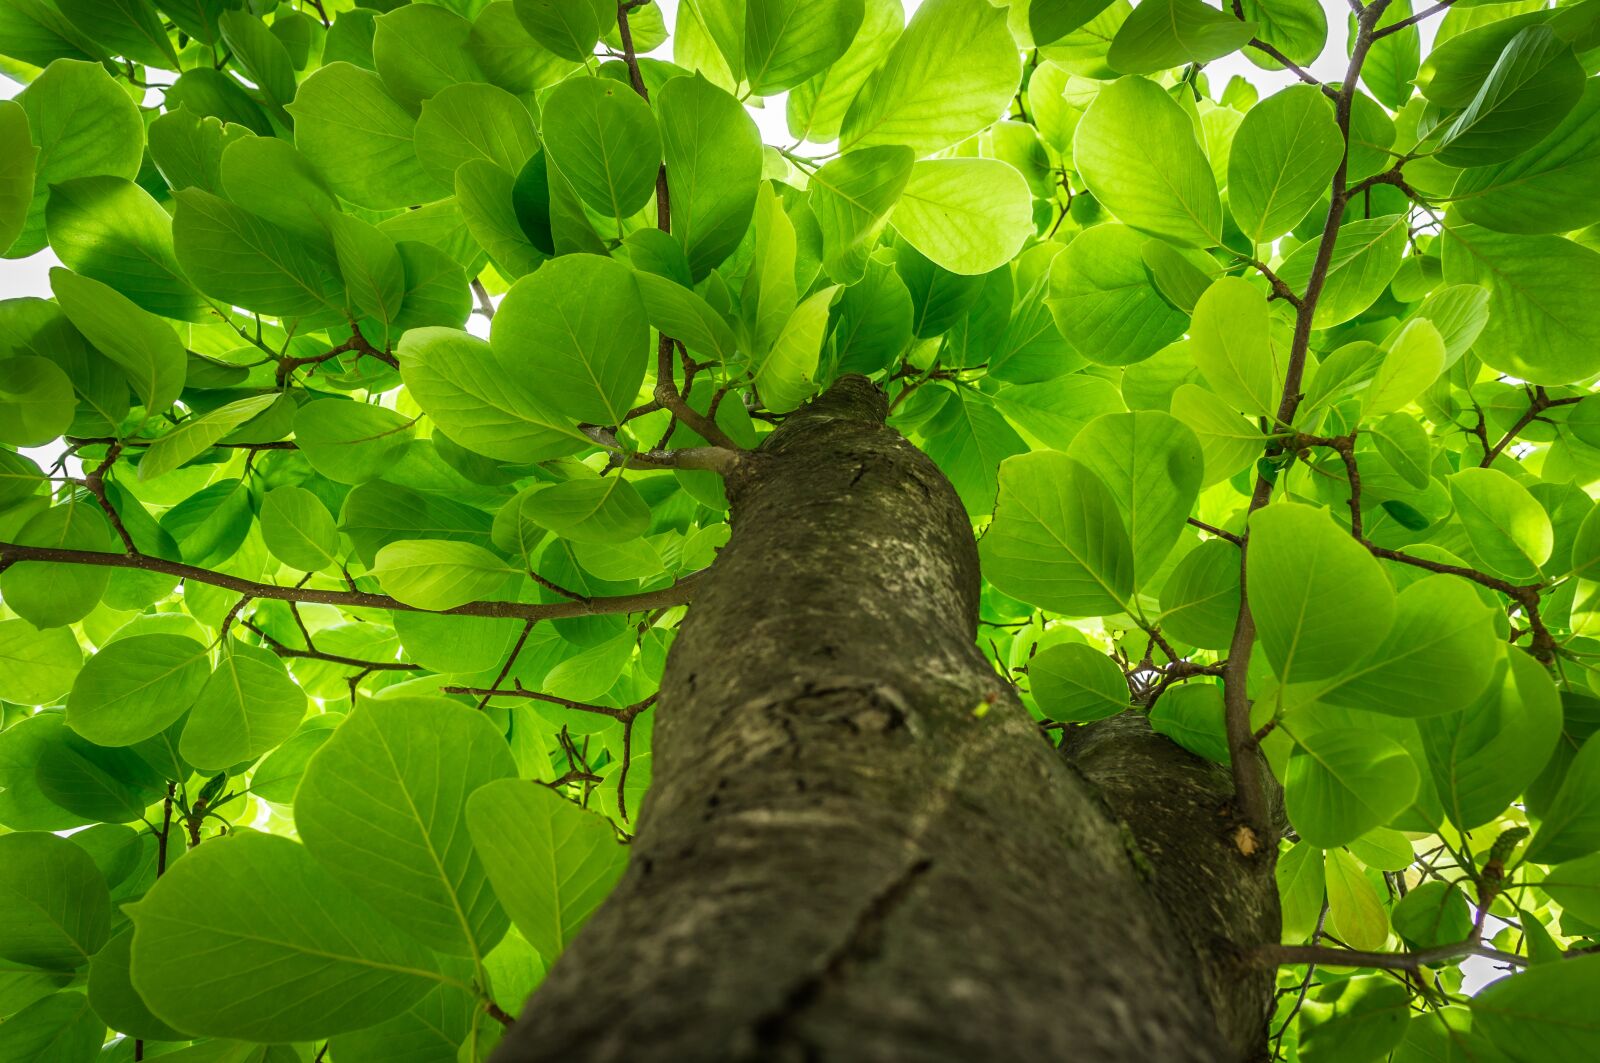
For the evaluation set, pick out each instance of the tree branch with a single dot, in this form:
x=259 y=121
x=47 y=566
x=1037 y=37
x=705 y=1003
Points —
x=1413 y=20
x=1538 y=402
x=678 y=593
x=1249 y=776
x=720 y=460
x=1285 y=955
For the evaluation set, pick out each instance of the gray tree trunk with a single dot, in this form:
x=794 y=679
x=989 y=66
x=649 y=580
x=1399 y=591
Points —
x=840 y=860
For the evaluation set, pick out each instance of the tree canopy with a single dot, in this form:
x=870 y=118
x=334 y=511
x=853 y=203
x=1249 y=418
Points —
x=331 y=629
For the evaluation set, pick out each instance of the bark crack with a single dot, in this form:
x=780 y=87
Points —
x=861 y=945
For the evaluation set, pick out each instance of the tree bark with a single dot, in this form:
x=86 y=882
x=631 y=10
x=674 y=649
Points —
x=842 y=857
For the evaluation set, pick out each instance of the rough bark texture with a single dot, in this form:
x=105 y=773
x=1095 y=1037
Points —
x=839 y=859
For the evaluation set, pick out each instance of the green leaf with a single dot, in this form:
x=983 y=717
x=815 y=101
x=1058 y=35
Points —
x=602 y=510
x=785 y=374
x=1200 y=600
x=420 y=50
x=952 y=72
x=262 y=56
x=1438 y=655
x=1536 y=81
x=1230 y=443
x=852 y=197
x=111 y=230
x=1319 y=599
x=297 y=529
x=280 y=185
x=678 y=312
x=1366 y=256
x=1072 y=681
x=1545 y=1013
x=57 y=910
x=383 y=805
x=351 y=442
x=1575 y=885
x=48 y=595
x=968 y=438
x=1355 y=913
x=1231 y=341
x=1359 y=1018
x=462 y=385
x=486 y=195
x=574 y=333
x=135 y=687
x=374 y=276
x=1103 y=302
x=247 y=261
x=1283 y=156
x=1432 y=914
x=16 y=171
x=1136 y=150
x=197 y=435
x=1484 y=755
x=1508 y=529
x=129 y=28
x=786 y=41
x=569 y=28
x=471 y=121
x=360 y=139
x=1151 y=465
x=115 y=1000
x=83 y=125
x=1192 y=716
x=1161 y=34
x=551 y=862
x=968 y=216
x=142 y=345
x=816 y=108
x=1544 y=189
x=242 y=936
x=39 y=664
x=248 y=707
x=1570 y=827
x=604 y=139
x=713 y=158
x=61 y=1028
x=1299 y=877
x=1057 y=540
x=1391 y=64
x=1344 y=782
x=1542 y=326
x=1414 y=360
x=437 y=575
x=37 y=402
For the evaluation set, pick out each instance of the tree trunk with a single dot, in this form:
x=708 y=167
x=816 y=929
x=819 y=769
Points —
x=842 y=857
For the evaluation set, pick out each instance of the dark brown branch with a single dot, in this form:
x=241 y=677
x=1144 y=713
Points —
x=631 y=58
x=95 y=481
x=357 y=343
x=1211 y=529
x=1244 y=752
x=720 y=460
x=519 y=691
x=1284 y=955
x=1345 y=447
x=1526 y=595
x=1412 y=21
x=678 y=593
x=1538 y=402
x=311 y=653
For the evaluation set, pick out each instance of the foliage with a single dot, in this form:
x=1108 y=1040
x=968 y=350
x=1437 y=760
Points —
x=315 y=598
